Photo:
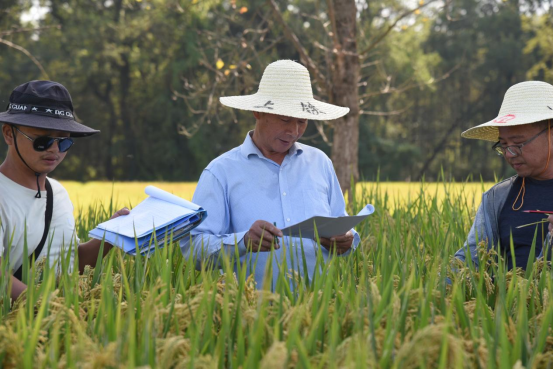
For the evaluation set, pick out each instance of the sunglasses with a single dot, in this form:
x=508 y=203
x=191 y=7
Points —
x=43 y=143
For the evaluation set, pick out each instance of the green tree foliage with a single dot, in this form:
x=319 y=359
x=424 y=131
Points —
x=540 y=45
x=120 y=60
x=144 y=71
x=483 y=41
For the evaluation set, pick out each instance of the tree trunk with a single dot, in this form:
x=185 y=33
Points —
x=104 y=95
x=345 y=92
x=126 y=117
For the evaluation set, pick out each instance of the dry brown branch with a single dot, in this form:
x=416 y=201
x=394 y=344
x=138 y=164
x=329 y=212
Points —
x=256 y=53
x=319 y=125
x=322 y=47
x=189 y=132
x=332 y=17
x=391 y=27
x=447 y=13
x=208 y=65
x=320 y=129
x=26 y=52
x=333 y=51
x=186 y=98
x=309 y=63
x=370 y=64
x=21 y=30
x=389 y=90
x=201 y=98
x=385 y=113
x=182 y=130
x=258 y=31
x=392 y=90
x=324 y=24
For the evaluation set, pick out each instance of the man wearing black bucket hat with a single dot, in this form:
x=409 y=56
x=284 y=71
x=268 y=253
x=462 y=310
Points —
x=39 y=128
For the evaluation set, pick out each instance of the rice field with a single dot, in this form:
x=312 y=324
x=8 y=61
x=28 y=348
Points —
x=130 y=194
x=399 y=301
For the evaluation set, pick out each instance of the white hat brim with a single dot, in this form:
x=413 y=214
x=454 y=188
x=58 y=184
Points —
x=307 y=108
x=489 y=131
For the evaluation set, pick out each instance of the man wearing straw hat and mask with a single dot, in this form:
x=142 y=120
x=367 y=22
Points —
x=39 y=127
x=271 y=181
x=522 y=134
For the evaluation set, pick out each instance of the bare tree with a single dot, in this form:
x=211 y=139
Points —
x=20 y=48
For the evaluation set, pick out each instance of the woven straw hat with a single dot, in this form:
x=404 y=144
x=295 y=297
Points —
x=524 y=103
x=285 y=89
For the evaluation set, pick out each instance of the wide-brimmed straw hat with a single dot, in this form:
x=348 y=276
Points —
x=285 y=89
x=524 y=103
x=46 y=105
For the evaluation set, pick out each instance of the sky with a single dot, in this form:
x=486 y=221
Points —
x=35 y=13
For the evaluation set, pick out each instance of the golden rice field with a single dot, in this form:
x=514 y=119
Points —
x=400 y=301
x=123 y=193
x=131 y=193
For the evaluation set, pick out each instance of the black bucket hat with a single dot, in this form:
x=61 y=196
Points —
x=44 y=104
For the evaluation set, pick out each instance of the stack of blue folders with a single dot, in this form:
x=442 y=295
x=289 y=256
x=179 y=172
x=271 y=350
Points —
x=160 y=219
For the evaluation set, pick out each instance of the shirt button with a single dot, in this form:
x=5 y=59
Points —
x=288 y=219
x=284 y=194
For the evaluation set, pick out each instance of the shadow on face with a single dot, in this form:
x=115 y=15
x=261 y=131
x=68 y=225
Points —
x=39 y=161
x=533 y=143
x=277 y=133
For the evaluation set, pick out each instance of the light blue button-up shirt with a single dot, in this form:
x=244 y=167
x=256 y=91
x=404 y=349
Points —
x=243 y=186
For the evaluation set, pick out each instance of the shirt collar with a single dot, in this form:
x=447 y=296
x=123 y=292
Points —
x=248 y=148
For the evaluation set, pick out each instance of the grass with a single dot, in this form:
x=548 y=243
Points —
x=388 y=305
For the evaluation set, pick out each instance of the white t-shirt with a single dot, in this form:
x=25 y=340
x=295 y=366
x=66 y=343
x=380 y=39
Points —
x=20 y=210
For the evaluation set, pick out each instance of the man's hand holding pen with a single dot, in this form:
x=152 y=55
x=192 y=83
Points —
x=261 y=236
x=341 y=243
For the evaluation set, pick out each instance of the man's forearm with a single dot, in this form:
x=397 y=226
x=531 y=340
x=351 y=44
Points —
x=17 y=288
x=88 y=253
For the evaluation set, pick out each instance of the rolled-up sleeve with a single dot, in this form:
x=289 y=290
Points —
x=546 y=248
x=5 y=233
x=476 y=234
x=214 y=234
x=2 y=234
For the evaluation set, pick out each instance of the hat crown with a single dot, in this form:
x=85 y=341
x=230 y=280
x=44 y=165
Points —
x=286 y=79
x=524 y=103
x=42 y=93
x=530 y=97
x=285 y=89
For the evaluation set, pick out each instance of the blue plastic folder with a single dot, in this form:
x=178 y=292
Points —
x=156 y=221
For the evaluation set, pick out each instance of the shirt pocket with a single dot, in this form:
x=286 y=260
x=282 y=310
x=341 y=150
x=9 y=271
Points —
x=315 y=203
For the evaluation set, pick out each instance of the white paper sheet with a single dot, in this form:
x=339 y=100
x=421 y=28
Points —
x=178 y=230
x=156 y=212
x=327 y=226
x=163 y=212
x=169 y=197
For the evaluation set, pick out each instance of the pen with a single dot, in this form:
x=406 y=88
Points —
x=538 y=211
x=276 y=238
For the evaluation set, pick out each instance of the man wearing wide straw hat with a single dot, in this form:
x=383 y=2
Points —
x=271 y=181
x=35 y=211
x=522 y=134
